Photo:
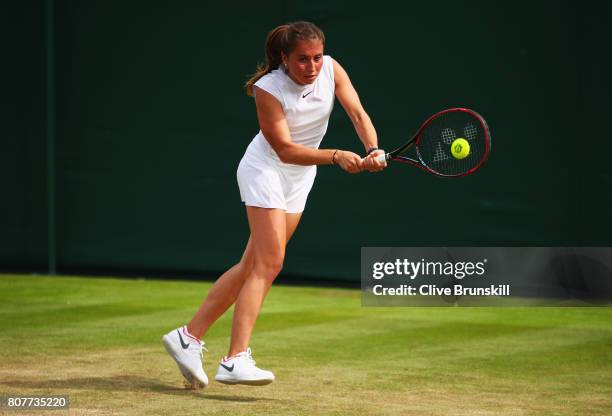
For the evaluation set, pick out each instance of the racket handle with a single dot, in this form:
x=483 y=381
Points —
x=382 y=158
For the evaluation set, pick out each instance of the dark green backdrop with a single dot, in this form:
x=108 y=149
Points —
x=151 y=121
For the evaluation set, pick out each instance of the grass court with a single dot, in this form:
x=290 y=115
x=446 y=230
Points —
x=98 y=341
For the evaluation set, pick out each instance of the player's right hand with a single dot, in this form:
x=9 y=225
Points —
x=371 y=162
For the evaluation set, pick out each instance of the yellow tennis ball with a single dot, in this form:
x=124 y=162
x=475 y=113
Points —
x=460 y=148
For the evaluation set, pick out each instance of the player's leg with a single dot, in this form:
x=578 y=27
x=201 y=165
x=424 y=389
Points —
x=270 y=230
x=268 y=233
x=221 y=296
x=292 y=221
x=224 y=292
x=184 y=344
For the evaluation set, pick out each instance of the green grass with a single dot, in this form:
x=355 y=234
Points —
x=98 y=341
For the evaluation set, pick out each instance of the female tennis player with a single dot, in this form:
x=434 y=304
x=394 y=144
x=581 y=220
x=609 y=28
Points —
x=294 y=95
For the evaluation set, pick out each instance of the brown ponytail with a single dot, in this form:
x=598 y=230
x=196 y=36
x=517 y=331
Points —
x=281 y=40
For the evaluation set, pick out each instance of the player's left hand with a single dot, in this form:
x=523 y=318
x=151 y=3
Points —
x=371 y=162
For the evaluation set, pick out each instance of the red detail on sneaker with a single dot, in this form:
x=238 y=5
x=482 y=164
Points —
x=187 y=334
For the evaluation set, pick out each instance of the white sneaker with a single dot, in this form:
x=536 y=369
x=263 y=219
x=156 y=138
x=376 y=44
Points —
x=240 y=369
x=187 y=352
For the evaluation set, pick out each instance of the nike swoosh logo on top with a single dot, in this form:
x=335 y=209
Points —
x=230 y=369
x=304 y=96
x=185 y=346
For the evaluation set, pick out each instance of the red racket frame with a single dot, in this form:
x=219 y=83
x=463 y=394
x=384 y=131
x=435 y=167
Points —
x=394 y=155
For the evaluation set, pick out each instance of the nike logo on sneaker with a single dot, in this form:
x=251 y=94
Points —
x=185 y=346
x=230 y=369
x=304 y=96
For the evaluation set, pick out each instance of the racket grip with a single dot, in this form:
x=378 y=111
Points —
x=382 y=158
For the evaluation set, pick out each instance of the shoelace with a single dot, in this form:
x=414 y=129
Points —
x=196 y=349
x=249 y=357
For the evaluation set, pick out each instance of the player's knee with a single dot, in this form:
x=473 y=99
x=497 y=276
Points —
x=274 y=267
x=269 y=268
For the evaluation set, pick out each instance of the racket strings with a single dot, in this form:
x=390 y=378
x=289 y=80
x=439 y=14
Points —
x=437 y=137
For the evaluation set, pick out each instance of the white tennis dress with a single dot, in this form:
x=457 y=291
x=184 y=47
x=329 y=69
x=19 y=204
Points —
x=264 y=180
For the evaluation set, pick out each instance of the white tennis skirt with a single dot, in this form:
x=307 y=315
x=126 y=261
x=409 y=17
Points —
x=266 y=182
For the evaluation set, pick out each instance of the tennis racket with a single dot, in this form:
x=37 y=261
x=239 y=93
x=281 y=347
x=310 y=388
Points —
x=452 y=143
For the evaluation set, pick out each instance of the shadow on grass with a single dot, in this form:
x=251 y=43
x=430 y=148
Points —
x=124 y=383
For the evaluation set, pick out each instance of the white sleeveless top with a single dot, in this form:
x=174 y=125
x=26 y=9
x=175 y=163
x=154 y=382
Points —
x=307 y=107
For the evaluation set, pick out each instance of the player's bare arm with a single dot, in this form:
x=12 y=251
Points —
x=349 y=99
x=274 y=127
